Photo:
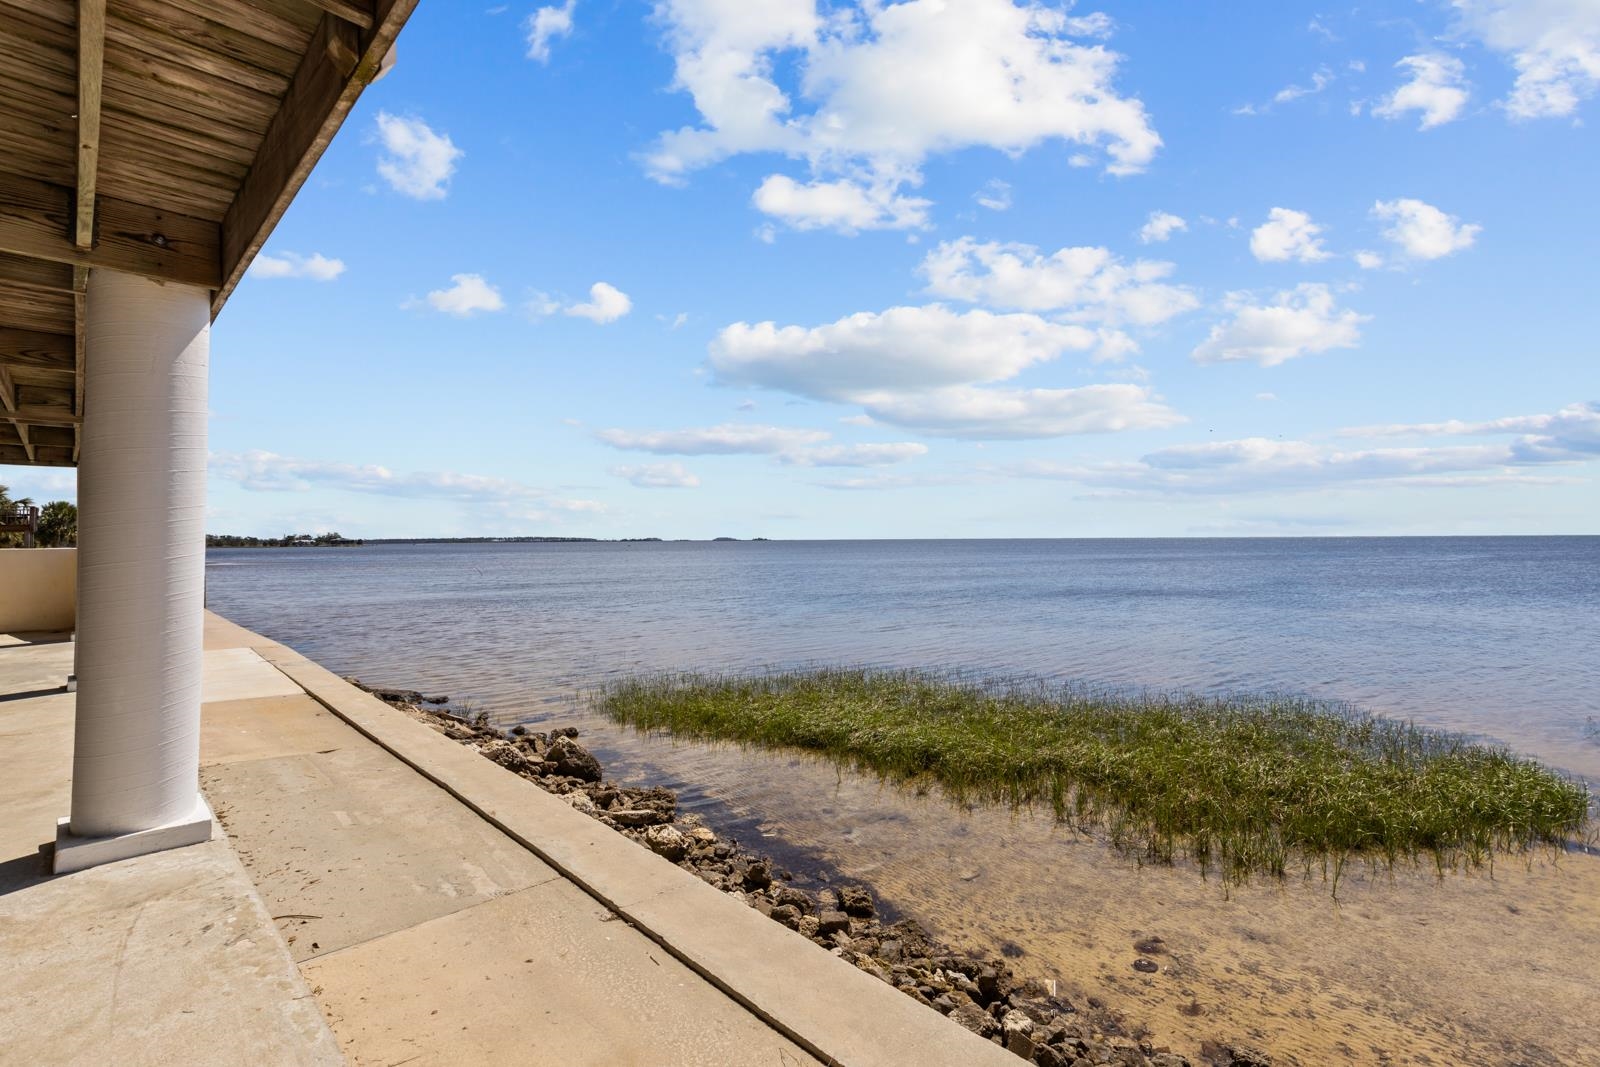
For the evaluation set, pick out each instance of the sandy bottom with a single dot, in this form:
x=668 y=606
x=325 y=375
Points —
x=1409 y=968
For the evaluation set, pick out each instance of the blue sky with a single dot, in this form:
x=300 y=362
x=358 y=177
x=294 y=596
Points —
x=970 y=268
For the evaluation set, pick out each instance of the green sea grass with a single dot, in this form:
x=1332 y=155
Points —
x=1239 y=785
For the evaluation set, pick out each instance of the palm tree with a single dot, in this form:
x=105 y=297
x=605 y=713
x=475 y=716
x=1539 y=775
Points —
x=58 y=524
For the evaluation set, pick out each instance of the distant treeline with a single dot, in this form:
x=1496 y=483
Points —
x=321 y=540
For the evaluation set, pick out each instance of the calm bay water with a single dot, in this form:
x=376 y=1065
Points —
x=1497 y=637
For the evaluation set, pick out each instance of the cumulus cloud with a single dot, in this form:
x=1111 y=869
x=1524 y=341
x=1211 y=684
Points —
x=546 y=25
x=606 y=303
x=467 y=296
x=657 y=476
x=1017 y=414
x=728 y=439
x=1160 y=226
x=416 y=161
x=903 y=348
x=1085 y=284
x=925 y=367
x=1287 y=235
x=1422 y=231
x=317 y=267
x=878 y=88
x=1367 y=259
x=843 y=205
x=1554 y=46
x=263 y=471
x=1437 y=90
x=1296 y=322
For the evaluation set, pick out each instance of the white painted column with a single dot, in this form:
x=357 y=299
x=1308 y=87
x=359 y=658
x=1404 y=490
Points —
x=141 y=572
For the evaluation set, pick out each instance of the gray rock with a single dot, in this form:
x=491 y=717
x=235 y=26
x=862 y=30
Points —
x=1045 y=1056
x=573 y=760
x=975 y=1019
x=757 y=876
x=831 y=921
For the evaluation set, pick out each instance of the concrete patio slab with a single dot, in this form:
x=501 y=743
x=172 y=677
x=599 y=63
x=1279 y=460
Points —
x=165 y=958
x=357 y=840
x=240 y=674
x=543 y=976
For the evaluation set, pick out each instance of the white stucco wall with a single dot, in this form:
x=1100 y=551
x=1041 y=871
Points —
x=38 y=589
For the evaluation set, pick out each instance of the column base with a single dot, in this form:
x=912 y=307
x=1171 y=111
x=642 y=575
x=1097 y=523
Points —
x=75 y=853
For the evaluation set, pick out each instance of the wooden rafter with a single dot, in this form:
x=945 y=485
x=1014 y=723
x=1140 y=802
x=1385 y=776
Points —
x=356 y=12
x=8 y=402
x=41 y=415
x=34 y=221
x=91 y=68
x=321 y=94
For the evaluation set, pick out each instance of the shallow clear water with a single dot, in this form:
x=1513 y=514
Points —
x=1494 y=636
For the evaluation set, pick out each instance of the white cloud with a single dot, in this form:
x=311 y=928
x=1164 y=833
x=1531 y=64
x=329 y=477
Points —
x=1287 y=234
x=1421 y=230
x=1015 y=414
x=1570 y=433
x=417 y=161
x=546 y=25
x=728 y=439
x=902 y=348
x=469 y=295
x=1300 y=321
x=316 y=266
x=1437 y=89
x=878 y=88
x=866 y=455
x=262 y=471
x=1258 y=464
x=1554 y=46
x=1320 y=80
x=1084 y=284
x=995 y=195
x=1160 y=226
x=843 y=205
x=658 y=476
x=606 y=304
x=1369 y=260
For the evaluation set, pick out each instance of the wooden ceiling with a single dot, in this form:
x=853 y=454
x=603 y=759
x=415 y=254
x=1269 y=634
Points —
x=161 y=137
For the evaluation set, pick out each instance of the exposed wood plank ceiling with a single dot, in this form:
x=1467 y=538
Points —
x=161 y=137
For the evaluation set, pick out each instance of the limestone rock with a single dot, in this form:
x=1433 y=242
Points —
x=667 y=842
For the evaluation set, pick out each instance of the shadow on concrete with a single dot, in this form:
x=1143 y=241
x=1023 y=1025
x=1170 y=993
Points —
x=35 y=637
x=26 y=871
x=28 y=694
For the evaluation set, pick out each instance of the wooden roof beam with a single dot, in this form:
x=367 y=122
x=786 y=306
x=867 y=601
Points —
x=40 y=415
x=356 y=12
x=8 y=408
x=91 y=66
x=342 y=60
x=36 y=221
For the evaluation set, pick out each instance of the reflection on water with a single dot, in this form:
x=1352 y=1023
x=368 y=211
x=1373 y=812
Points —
x=1491 y=636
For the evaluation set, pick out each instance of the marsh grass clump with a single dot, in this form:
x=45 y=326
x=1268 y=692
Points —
x=1240 y=785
